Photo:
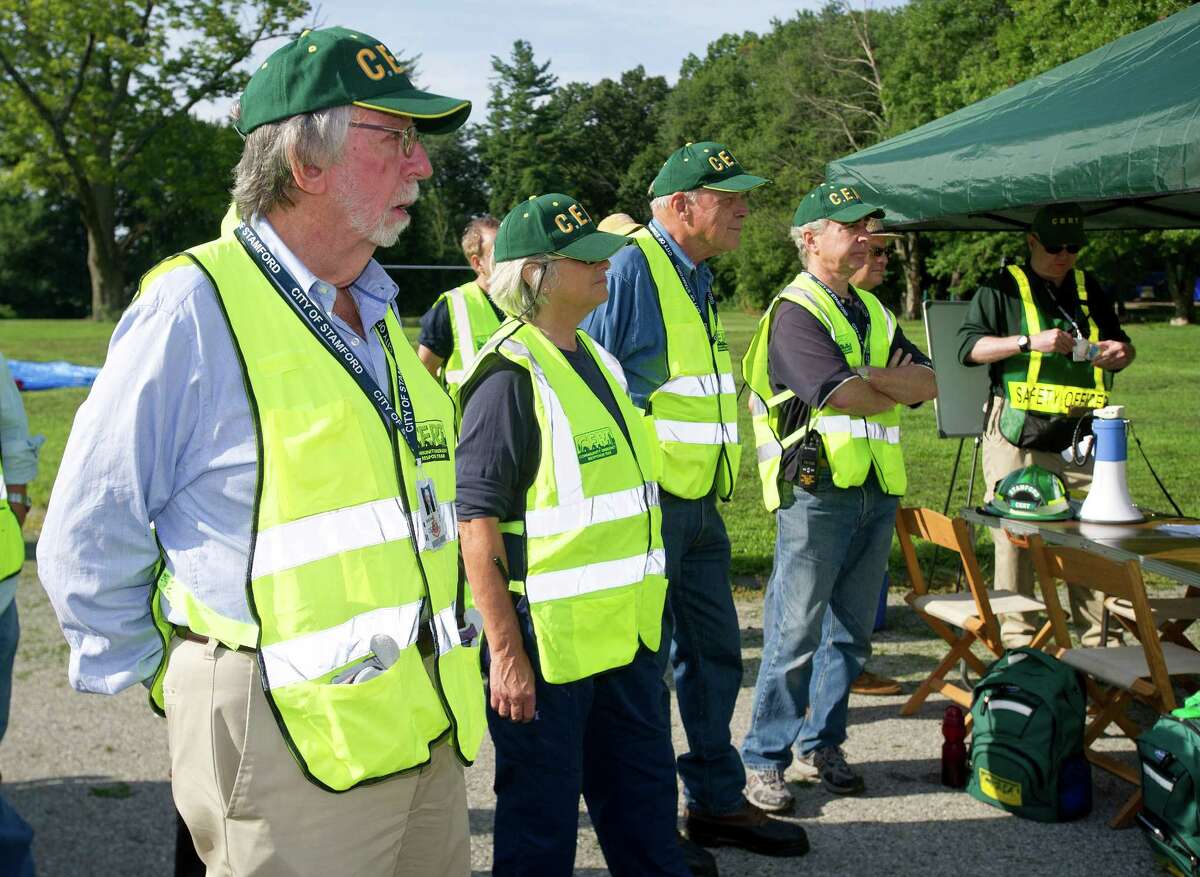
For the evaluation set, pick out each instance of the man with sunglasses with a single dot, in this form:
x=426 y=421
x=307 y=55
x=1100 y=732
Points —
x=1052 y=341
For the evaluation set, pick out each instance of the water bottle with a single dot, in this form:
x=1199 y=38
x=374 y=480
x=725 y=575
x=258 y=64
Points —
x=954 y=749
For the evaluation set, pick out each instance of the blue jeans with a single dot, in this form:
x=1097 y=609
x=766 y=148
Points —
x=706 y=651
x=831 y=549
x=10 y=632
x=607 y=737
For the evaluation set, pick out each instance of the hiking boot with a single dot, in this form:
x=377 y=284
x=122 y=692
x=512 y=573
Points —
x=879 y=686
x=836 y=775
x=766 y=790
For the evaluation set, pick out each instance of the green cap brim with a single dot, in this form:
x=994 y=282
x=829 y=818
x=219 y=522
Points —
x=739 y=183
x=855 y=212
x=431 y=113
x=595 y=247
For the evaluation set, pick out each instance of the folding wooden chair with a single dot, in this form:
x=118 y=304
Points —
x=1172 y=615
x=1135 y=672
x=960 y=619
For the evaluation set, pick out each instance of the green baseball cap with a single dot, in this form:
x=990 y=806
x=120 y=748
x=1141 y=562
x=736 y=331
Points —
x=335 y=67
x=831 y=201
x=706 y=165
x=553 y=223
x=1059 y=225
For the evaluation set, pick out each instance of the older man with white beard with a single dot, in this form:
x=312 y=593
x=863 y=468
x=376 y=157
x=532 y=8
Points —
x=255 y=514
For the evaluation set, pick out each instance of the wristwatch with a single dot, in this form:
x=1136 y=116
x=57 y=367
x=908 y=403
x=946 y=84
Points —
x=23 y=499
x=863 y=372
x=1023 y=343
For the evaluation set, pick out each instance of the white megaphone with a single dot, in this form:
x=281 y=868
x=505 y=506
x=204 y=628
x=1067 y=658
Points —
x=1108 y=501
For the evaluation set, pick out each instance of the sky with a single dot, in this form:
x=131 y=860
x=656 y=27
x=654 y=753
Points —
x=585 y=41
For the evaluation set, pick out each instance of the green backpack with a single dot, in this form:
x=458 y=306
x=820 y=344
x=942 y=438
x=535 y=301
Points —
x=1169 y=753
x=1027 y=755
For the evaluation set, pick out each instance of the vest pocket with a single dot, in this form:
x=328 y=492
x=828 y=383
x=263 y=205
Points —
x=350 y=733
x=585 y=635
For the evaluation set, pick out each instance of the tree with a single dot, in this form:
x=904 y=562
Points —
x=519 y=127
x=86 y=86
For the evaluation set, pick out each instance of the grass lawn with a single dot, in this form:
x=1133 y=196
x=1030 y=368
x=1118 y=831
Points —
x=1157 y=391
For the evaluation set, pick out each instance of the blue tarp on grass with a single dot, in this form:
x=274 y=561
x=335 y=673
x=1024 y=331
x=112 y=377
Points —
x=32 y=376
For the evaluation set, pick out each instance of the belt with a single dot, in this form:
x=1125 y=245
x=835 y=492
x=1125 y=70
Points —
x=191 y=636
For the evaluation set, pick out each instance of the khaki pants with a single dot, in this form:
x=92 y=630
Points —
x=1014 y=568
x=251 y=811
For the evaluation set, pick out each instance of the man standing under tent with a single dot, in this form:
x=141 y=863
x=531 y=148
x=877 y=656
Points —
x=1052 y=341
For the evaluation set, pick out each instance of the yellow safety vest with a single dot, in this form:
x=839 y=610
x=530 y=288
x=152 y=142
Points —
x=1049 y=383
x=596 y=571
x=853 y=445
x=338 y=554
x=472 y=322
x=694 y=413
x=12 y=544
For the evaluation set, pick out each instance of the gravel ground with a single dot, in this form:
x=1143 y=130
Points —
x=90 y=775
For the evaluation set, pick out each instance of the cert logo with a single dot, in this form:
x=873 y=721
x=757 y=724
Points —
x=595 y=445
x=431 y=442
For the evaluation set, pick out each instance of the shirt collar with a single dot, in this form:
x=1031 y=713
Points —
x=677 y=252
x=373 y=290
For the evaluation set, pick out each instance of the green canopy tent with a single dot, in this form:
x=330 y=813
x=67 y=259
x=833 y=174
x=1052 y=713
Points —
x=1117 y=130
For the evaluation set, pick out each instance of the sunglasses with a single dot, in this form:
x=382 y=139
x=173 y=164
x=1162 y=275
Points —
x=1070 y=248
x=406 y=137
x=877 y=252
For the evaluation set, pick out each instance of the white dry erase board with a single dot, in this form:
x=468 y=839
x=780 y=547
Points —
x=962 y=390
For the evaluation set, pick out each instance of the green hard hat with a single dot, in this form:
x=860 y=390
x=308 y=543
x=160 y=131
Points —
x=1032 y=493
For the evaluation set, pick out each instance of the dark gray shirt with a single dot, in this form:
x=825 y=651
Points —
x=803 y=358
x=499 y=446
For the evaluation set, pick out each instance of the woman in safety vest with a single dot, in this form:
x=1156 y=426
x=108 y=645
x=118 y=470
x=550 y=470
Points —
x=560 y=527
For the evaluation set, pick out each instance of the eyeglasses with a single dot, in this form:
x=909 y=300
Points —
x=406 y=137
x=877 y=252
x=1070 y=248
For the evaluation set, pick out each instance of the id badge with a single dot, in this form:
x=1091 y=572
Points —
x=429 y=514
x=1085 y=351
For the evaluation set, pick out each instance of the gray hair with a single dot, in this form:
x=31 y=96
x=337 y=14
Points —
x=262 y=179
x=513 y=295
x=796 y=233
x=663 y=202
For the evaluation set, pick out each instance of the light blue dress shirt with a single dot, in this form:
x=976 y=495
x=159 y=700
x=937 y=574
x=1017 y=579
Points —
x=18 y=453
x=630 y=325
x=165 y=438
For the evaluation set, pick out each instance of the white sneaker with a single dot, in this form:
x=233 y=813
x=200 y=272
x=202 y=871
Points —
x=766 y=790
x=804 y=766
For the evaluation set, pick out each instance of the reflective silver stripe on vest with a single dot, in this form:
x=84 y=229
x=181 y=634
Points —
x=593 y=510
x=700 y=386
x=592 y=577
x=462 y=324
x=445 y=628
x=455 y=375
x=858 y=428
x=316 y=654
x=613 y=366
x=769 y=451
x=567 y=473
x=287 y=546
x=686 y=432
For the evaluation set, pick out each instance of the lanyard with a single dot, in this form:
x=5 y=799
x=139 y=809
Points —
x=837 y=300
x=311 y=314
x=687 y=284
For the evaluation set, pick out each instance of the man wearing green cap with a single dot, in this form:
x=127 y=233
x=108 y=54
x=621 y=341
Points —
x=563 y=550
x=661 y=323
x=828 y=370
x=256 y=514
x=1051 y=340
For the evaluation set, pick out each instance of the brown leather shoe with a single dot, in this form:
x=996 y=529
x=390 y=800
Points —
x=869 y=683
x=749 y=829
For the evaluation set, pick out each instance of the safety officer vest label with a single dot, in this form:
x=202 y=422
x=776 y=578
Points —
x=853 y=445
x=472 y=322
x=694 y=412
x=342 y=548
x=1049 y=384
x=12 y=544
x=596 y=571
